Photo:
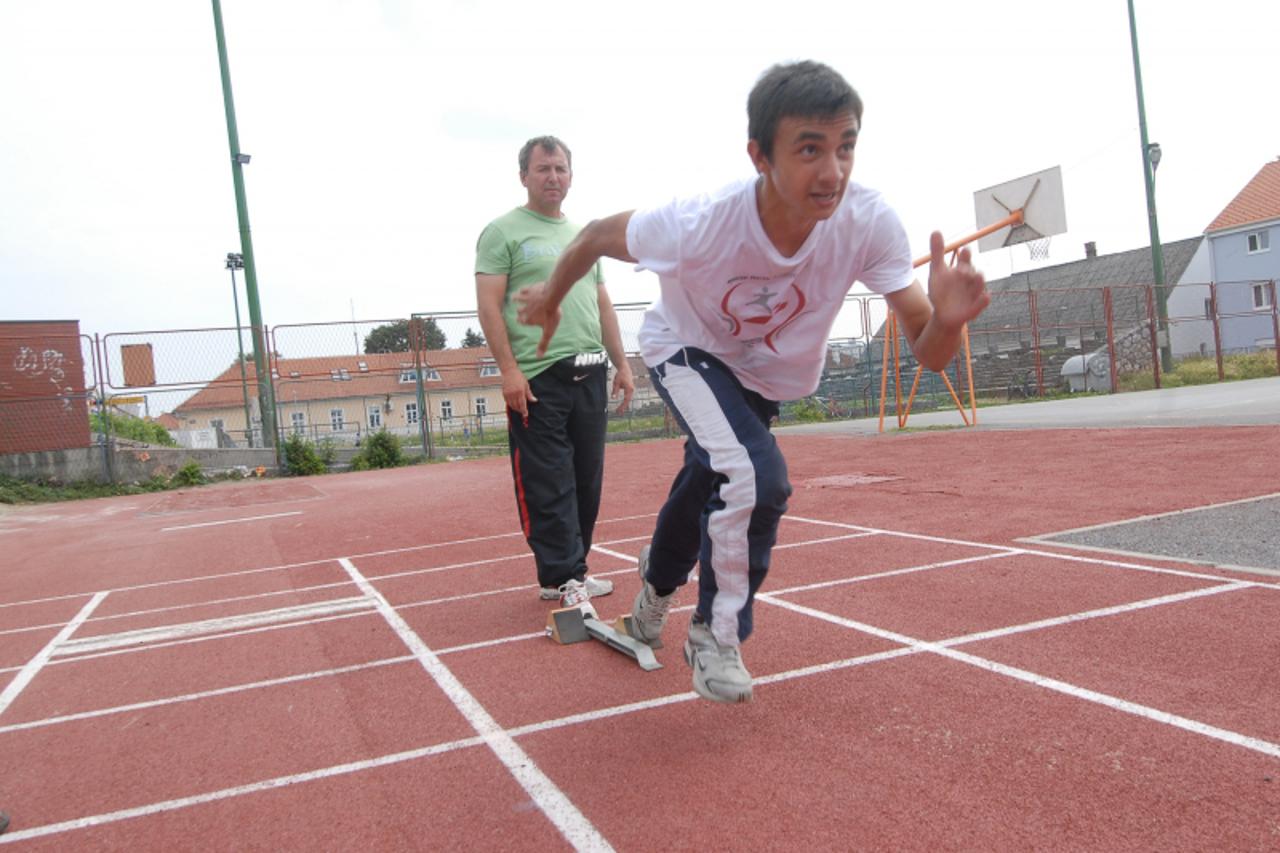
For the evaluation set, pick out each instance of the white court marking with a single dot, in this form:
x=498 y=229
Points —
x=230 y=521
x=558 y=808
x=913 y=646
x=33 y=666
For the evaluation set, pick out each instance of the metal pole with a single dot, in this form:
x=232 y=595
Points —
x=235 y=262
x=1149 y=177
x=266 y=401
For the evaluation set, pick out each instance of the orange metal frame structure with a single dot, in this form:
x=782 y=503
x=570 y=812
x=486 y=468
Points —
x=891 y=341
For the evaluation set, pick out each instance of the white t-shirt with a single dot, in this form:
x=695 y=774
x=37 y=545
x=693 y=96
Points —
x=727 y=290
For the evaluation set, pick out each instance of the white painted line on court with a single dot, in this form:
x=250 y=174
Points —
x=1153 y=517
x=944 y=649
x=12 y=837
x=231 y=521
x=1097 y=561
x=305 y=563
x=943 y=564
x=203 y=694
x=162 y=633
x=908 y=646
x=553 y=802
x=33 y=666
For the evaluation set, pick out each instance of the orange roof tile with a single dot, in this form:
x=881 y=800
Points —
x=337 y=377
x=1259 y=201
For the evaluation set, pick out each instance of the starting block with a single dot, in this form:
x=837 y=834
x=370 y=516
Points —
x=569 y=625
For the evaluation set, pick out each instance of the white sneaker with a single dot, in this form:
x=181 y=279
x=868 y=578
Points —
x=574 y=593
x=718 y=673
x=649 y=610
x=596 y=588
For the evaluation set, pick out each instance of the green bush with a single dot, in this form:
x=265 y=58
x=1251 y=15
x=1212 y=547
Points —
x=190 y=475
x=301 y=457
x=131 y=428
x=381 y=450
x=807 y=410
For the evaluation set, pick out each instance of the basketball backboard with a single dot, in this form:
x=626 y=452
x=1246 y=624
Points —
x=1038 y=196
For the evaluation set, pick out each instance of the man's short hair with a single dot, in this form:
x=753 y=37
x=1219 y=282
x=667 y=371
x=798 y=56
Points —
x=549 y=144
x=797 y=90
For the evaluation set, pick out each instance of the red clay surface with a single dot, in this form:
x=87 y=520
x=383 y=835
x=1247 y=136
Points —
x=1153 y=726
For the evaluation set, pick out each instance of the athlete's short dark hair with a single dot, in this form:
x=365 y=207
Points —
x=797 y=90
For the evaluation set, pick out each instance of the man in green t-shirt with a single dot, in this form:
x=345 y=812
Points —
x=557 y=402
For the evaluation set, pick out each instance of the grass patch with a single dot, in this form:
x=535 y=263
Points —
x=23 y=491
x=1204 y=371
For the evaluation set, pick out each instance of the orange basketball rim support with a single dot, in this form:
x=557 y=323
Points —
x=891 y=341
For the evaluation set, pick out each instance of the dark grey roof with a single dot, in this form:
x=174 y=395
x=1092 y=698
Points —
x=1123 y=268
x=1070 y=295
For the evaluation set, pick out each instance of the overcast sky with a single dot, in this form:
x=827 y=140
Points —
x=384 y=134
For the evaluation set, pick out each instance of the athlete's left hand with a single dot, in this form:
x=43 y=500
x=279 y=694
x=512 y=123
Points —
x=958 y=292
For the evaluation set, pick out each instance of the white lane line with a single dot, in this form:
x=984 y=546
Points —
x=981 y=558
x=33 y=666
x=231 y=521
x=601 y=713
x=210 y=626
x=1096 y=561
x=945 y=649
x=305 y=563
x=553 y=803
x=12 y=837
x=203 y=694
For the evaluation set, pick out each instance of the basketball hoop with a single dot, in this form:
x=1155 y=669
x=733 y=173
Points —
x=1038 y=249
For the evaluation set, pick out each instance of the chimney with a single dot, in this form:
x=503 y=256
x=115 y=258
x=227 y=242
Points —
x=1091 y=249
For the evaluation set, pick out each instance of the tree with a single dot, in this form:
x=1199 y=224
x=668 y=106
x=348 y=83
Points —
x=472 y=339
x=391 y=337
x=395 y=337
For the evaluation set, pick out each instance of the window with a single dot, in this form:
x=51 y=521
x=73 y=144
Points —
x=411 y=375
x=1261 y=297
x=1259 y=241
x=1208 y=309
x=336 y=420
x=411 y=413
x=375 y=417
x=299 y=422
x=482 y=407
x=446 y=410
x=489 y=368
x=218 y=424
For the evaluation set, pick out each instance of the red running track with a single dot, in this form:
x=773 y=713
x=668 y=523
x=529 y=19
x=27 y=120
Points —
x=356 y=662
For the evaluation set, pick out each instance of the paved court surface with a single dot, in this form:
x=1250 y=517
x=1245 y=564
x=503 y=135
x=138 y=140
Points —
x=1249 y=402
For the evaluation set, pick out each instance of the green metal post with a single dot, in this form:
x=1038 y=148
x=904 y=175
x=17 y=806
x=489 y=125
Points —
x=1149 y=177
x=261 y=355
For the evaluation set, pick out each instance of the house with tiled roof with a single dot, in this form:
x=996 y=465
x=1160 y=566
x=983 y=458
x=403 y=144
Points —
x=1243 y=265
x=344 y=398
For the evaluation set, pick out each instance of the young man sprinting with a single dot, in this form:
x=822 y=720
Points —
x=752 y=277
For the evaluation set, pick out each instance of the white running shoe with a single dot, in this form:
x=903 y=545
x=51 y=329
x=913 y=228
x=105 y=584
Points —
x=596 y=588
x=574 y=593
x=649 y=610
x=718 y=673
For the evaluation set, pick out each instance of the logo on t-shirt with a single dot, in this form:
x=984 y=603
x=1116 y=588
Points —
x=758 y=309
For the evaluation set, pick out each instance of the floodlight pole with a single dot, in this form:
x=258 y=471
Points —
x=261 y=355
x=236 y=262
x=1149 y=177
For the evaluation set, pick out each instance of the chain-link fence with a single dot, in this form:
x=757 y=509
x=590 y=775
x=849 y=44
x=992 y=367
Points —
x=126 y=405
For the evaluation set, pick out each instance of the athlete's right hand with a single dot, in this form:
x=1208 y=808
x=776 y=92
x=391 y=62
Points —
x=516 y=392
x=532 y=311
